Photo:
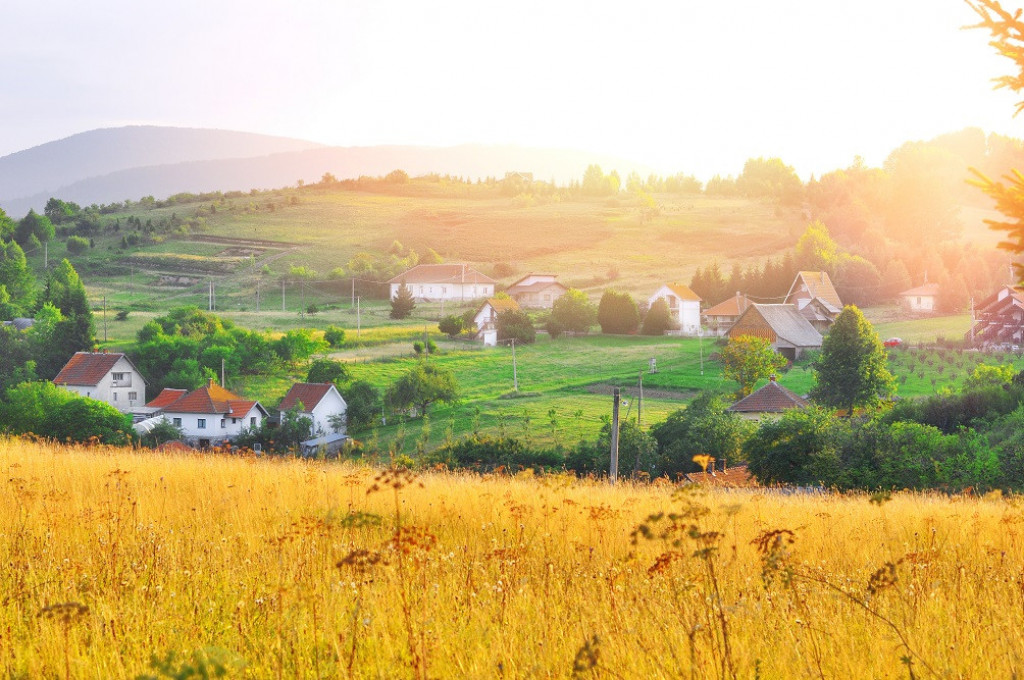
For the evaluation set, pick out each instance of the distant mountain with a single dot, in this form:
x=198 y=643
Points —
x=104 y=166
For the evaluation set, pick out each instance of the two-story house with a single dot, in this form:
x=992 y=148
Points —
x=105 y=376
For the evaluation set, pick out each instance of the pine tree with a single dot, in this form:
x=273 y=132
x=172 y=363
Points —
x=402 y=304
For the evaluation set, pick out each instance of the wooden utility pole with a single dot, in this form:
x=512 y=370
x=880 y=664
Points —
x=358 y=319
x=613 y=472
x=104 y=318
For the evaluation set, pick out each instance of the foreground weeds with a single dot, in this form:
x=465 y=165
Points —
x=126 y=565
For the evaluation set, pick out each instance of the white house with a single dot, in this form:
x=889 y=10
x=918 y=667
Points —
x=921 y=299
x=443 y=282
x=537 y=290
x=683 y=304
x=211 y=415
x=109 y=377
x=487 y=316
x=318 y=402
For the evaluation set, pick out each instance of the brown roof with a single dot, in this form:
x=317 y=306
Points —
x=926 y=289
x=735 y=476
x=167 y=396
x=733 y=306
x=774 y=323
x=441 y=273
x=819 y=285
x=499 y=304
x=213 y=399
x=533 y=287
x=88 y=368
x=772 y=398
x=683 y=292
x=309 y=394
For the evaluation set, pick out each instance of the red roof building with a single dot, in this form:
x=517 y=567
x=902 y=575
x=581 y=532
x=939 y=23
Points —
x=104 y=376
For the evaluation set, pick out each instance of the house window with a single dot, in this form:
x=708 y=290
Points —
x=252 y=421
x=444 y=290
x=133 y=396
x=234 y=421
x=118 y=377
x=223 y=423
x=176 y=422
x=421 y=290
x=115 y=396
x=201 y=423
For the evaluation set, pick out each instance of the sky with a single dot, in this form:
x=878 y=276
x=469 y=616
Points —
x=680 y=86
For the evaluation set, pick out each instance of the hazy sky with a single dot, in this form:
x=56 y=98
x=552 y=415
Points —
x=681 y=85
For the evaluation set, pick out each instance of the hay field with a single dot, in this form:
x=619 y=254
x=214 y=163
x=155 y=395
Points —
x=119 y=564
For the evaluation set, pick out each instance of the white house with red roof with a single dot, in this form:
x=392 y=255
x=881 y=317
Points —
x=683 y=304
x=924 y=298
x=318 y=402
x=443 y=282
x=537 y=290
x=211 y=415
x=105 y=376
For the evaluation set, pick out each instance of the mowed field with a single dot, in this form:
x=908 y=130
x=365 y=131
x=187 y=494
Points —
x=124 y=564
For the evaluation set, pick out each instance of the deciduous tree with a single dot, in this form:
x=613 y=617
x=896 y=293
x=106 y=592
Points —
x=747 y=359
x=852 y=369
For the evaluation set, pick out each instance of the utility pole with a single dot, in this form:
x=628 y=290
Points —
x=700 y=343
x=515 y=368
x=209 y=295
x=282 y=293
x=257 y=295
x=613 y=472
x=358 y=319
x=353 y=293
x=104 y=318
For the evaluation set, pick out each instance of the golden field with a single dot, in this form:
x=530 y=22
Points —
x=305 y=569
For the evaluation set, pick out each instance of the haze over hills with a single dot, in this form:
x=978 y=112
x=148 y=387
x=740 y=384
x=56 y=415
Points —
x=111 y=165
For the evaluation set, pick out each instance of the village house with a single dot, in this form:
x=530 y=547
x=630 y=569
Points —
x=771 y=400
x=683 y=305
x=720 y=318
x=487 y=316
x=537 y=290
x=429 y=282
x=789 y=333
x=998 y=320
x=211 y=415
x=105 y=376
x=815 y=298
x=320 y=402
x=922 y=298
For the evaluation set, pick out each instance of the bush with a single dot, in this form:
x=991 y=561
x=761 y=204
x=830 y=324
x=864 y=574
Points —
x=514 y=324
x=617 y=313
x=334 y=336
x=451 y=325
x=77 y=245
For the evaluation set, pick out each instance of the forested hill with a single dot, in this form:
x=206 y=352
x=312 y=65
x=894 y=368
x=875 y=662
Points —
x=111 y=165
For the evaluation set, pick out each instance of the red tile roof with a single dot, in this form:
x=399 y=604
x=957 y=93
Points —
x=733 y=306
x=772 y=398
x=167 y=396
x=735 y=476
x=213 y=399
x=87 y=368
x=309 y=394
x=441 y=273
x=926 y=289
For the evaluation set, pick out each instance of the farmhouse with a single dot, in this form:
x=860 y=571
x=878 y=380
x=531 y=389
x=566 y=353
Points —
x=815 y=298
x=487 y=317
x=443 y=282
x=537 y=290
x=109 y=377
x=720 y=318
x=999 y=319
x=318 y=402
x=921 y=299
x=212 y=416
x=789 y=333
x=683 y=305
x=770 y=400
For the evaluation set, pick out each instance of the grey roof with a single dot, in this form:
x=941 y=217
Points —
x=20 y=323
x=789 y=325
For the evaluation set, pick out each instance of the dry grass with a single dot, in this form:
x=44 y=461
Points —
x=307 y=569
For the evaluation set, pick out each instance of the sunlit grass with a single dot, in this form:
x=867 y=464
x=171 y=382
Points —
x=312 y=569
